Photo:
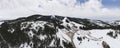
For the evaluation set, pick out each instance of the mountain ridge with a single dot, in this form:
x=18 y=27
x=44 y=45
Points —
x=40 y=31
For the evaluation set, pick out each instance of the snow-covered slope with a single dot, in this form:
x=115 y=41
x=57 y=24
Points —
x=97 y=37
x=39 y=31
x=1 y=22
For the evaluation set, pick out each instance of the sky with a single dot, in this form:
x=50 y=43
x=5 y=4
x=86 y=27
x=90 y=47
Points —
x=111 y=3
x=106 y=3
x=93 y=9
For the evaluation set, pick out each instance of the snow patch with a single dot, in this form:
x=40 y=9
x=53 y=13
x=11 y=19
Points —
x=42 y=37
x=25 y=45
x=33 y=25
x=11 y=30
x=52 y=43
x=30 y=34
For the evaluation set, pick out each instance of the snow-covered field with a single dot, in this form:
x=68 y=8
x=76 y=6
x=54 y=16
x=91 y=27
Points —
x=95 y=39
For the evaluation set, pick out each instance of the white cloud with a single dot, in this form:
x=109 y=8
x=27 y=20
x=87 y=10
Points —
x=91 y=8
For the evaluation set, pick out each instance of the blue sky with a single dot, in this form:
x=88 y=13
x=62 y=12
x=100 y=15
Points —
x=107 y=3
x=111 y=3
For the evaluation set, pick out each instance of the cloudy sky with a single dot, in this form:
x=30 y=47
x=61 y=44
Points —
x=93 y=9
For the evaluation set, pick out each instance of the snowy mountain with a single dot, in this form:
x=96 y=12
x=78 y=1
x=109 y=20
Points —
x=42 y=31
